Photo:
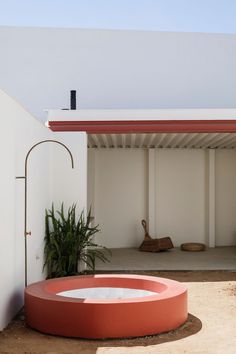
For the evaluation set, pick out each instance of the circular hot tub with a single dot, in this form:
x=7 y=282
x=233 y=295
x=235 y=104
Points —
x=106 y=306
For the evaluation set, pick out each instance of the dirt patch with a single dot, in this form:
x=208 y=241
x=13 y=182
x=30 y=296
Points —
x=230 y=290
x=210 y=328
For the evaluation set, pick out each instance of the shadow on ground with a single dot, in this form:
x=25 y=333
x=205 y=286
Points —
x=17 y=337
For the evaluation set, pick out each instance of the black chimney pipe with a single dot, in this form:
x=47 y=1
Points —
x=73 y=99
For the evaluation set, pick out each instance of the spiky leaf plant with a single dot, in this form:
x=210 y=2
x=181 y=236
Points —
x=68 y=241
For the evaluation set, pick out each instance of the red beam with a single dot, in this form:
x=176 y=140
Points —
x=146 y=126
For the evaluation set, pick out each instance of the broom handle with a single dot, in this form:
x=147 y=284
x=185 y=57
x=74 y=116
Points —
x=144 y=224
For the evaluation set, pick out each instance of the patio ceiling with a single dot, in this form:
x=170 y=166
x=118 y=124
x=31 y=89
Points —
x=163 y=140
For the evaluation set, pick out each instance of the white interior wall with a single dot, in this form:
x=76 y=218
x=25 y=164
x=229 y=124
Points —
x=120 y=196
x=225 y=197
x=119 y=186
x=136 y=69
x=180 y=195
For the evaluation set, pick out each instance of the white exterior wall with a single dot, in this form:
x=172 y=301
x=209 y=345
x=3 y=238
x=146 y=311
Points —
x=117 y=69
x=119 y=180
x=19 y=131
x=69 y=185
x=50 y=178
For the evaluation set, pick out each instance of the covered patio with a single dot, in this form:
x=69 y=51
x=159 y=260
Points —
x=174 y=168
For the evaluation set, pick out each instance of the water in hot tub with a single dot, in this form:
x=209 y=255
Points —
x=106 y=293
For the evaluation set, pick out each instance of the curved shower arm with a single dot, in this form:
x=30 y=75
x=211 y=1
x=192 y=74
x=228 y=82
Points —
x=26 y=233
x=47 y=141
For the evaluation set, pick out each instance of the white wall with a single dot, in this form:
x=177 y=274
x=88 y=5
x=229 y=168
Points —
x=50 y=178
x=180 y=194
x=69 y=185
x=225 y=197
x=120 y=196
x=118 y=190
x=63 y=184
x=117 y=69
x=19 y=131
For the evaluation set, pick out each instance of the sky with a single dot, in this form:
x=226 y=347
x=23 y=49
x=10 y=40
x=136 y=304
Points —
x=215 y=16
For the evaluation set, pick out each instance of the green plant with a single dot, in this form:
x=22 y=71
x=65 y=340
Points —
x=69 y=241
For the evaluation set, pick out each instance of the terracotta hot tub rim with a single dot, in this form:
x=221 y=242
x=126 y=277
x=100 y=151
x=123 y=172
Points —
x=49 y=289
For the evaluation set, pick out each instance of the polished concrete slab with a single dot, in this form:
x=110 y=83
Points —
x=123 y=259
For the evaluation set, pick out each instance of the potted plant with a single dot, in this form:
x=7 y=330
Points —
x=69 y=241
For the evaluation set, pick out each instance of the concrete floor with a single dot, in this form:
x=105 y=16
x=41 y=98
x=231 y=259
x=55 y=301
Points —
x=219 y=258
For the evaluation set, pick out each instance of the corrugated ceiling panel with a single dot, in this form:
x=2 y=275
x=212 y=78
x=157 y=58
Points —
x=163 y=140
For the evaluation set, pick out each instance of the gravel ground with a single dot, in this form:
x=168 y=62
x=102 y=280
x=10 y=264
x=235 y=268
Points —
x=210 y=328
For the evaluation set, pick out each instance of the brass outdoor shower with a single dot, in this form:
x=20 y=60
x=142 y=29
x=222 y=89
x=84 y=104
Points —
x=26 y=233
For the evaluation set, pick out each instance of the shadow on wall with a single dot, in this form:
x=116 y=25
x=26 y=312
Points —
x=14 y=304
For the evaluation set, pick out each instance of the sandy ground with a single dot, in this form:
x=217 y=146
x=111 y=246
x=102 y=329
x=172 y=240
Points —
x=210 y=329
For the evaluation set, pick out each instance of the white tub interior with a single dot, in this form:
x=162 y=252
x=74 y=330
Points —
x=106 y=293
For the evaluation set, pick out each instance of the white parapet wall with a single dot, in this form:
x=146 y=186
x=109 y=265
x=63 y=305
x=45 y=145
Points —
x=50 y=179
x=117 y=69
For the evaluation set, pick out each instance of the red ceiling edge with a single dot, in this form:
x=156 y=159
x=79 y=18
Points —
x=145 y=126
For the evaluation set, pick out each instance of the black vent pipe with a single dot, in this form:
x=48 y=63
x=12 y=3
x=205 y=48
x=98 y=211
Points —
x=73 y=99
